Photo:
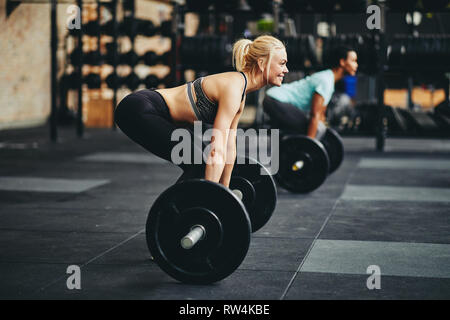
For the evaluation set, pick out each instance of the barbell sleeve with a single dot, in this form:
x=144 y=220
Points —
x=197 y=233
x=238 y=193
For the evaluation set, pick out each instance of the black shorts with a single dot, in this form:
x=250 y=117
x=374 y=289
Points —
x=145 y=118
x=286 y=116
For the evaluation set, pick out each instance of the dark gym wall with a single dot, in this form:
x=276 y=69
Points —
x=433 y=23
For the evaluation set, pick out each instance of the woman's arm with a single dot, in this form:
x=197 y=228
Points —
x=317 y=114
x=231 y=150
x=229 y=104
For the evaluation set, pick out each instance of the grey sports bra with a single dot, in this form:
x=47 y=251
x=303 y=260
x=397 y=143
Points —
x=205 y=110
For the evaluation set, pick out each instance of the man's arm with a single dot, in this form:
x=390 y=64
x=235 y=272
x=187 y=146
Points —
x=317 y=114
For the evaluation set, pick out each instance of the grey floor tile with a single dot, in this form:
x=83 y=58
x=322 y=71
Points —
x=22 y=280
x=264 y=254
x=72 y=219
x=56 y=247
x=327 y=190
x=142 y=282
x=417 y=145
x=398 y=145
x=136 y=186
x=275 y=254
x=331 y=191
x=386 y=221
x=138 y=202
x=426 y=260
x=133 y=252
x=123 y=157
x=390 y=193
x=332 y=286
x=405 y=163
x=299 y=218
x=39 y=184
x=114 y=171
x=12 y=198
x=402 y=178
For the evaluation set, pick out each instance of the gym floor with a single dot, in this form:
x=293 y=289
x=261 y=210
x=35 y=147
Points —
x=85 y=201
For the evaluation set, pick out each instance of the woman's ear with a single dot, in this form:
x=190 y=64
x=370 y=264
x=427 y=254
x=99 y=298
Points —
x=262 y=64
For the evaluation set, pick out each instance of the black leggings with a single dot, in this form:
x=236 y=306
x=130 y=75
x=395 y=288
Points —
x=144 y=117
x=285 y=116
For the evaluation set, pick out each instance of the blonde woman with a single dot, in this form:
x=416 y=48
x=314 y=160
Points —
x=150 y=116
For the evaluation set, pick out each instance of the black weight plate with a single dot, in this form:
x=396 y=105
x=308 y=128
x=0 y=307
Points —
x=189 y=203
x=335 y=148
x=260 y=209
x=246 y=188
x=313 y=157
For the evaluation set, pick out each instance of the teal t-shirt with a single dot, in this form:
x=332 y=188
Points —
x=299 y=93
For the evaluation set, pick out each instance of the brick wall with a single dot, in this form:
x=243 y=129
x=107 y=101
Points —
x=25 y=94
x=25 y=64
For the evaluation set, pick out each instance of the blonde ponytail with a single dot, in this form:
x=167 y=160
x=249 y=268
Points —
x=240 y=49
x=246 y=52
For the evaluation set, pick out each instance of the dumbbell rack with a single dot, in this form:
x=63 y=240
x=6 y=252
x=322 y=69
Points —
x=147 y=29
x=78 y=59
x=94 y=29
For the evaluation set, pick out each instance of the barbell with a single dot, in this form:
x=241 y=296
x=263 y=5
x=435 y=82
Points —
x=252 y=182
x=199 y=231
x=305 y=163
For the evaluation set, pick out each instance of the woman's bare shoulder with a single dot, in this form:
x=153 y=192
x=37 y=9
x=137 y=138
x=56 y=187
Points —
x=229 y=80
x=229 y=75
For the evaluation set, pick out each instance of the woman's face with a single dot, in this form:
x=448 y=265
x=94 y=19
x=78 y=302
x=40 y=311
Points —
x=277 y=67
x=350 y=65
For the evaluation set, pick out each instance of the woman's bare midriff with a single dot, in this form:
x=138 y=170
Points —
x=178 y=101
x=178 y=104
